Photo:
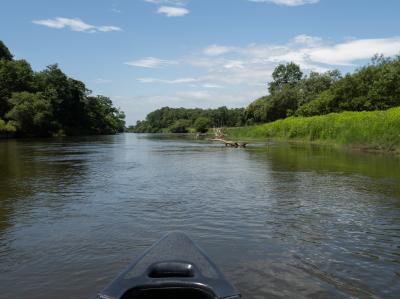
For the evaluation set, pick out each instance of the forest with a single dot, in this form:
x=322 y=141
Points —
x=291 y=93
x=180 y=120
x=49 y=103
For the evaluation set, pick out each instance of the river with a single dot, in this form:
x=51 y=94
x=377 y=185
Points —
x=281 y=220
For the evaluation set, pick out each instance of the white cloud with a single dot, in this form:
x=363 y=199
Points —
x=182 y=81
x=74 y=24
x=108 y=28
x=171 y=11
x=171 y=8
x=176 y=8
x=288 y=2
x=151 y=62
x=234 y=64
x=351 y=51
x=215 y=50
x=212 y=86
x=253 y=65
x=304 y=39
x=341 y=54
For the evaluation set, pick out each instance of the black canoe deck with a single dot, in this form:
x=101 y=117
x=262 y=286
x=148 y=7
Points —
x=172 y=268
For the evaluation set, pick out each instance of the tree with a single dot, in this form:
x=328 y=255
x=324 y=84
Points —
x=180 y=126
x=322 y=104
x=166 y=118
x=102 y=117
x=256 y=112
x=31 y=113
x=69 y=98
x=282 y=104
x=44 y=103
x=142 y=127
x=315 y=83
x=15 y=76
x=202 y=124
x=285 y=75
x=220 y=116
x=5 y=53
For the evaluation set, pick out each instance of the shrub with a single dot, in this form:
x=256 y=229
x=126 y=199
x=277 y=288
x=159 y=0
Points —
x=202 y=124
x=180 y=126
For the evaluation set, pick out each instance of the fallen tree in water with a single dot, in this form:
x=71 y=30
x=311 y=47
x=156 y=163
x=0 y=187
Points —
x=230 y=143
x=219 y=136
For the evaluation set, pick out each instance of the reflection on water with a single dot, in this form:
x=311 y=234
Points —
x=281 y=220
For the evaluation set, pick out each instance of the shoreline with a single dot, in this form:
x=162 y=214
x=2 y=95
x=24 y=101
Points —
x=363 y=148
x=354 y=147
x=374 y=131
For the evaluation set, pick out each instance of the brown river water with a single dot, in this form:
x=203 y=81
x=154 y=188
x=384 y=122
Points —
x=281 y=220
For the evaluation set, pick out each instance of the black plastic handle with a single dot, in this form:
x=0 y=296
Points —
x=171 y=269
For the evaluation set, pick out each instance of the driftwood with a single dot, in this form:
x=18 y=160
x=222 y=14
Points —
x=230 y=143
x=219 y=136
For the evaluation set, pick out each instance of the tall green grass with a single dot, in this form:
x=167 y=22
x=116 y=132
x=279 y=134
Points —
x=377 y=129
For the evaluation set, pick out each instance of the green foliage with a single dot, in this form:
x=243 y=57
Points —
x=69 y=99
x=102 y=117
x=285 y=75
x=289 y=91
x=378 y=129
x=320 y=105
x=273 y=107
x=5 y=54
x=180 y=126
x=142 y=127
x=49 y=102
x=202 y=124
x=373 y=87
x=7 y=128
x=256 y=112
x=161 y=119
x=314 y=84
x=31 y=113
x=15 y=76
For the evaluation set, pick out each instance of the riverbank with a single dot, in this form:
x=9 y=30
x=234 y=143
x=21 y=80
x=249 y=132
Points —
x=375 y=131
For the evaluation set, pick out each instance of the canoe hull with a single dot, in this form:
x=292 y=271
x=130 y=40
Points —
x=174 y=267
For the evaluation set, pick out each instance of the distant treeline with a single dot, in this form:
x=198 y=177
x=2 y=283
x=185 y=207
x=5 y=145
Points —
x=49 y=103
x=180 y=120
x=375 y=86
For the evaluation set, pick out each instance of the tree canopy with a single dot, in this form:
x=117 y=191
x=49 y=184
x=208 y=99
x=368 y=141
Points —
x=5 y=52
x=372 y=87
x=179 y=120
x=49 y=102
x=285 y=75
x=202 y=124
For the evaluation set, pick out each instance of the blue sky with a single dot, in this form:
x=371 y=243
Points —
x=146 y=54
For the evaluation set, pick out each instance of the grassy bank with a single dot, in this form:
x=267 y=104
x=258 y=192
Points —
x=379 y=130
